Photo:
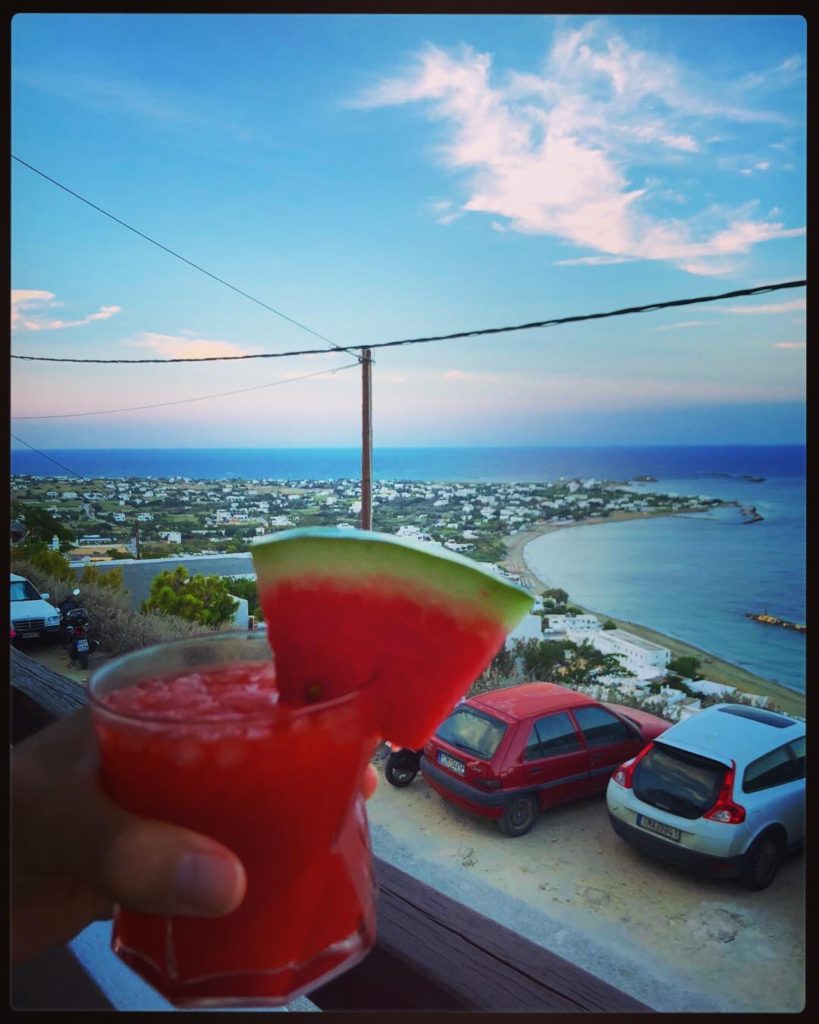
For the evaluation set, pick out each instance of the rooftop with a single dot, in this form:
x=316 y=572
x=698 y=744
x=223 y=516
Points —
x=531 y=698
x=635 y=641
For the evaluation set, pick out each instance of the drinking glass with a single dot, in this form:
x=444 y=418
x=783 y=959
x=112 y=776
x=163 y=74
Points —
x=280 y=788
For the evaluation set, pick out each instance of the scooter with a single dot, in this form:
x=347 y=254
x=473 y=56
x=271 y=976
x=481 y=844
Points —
x=75 y=631
x=402 y=765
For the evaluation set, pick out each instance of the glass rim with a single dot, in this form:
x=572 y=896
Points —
x=267 y=717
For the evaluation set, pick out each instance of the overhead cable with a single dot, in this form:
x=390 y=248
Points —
x=165 y=248
x=183 y=401
x=628 y=311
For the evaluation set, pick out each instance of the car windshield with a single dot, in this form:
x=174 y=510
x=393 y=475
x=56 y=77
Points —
x=22 y=590
x=677 y=781
x=472 y=731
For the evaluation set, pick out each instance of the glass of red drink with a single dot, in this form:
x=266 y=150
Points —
x=191 y=732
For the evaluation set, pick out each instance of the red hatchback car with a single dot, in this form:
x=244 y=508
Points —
x=510 y=753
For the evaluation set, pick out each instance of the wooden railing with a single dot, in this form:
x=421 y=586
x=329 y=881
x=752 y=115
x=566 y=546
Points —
x=432 y=953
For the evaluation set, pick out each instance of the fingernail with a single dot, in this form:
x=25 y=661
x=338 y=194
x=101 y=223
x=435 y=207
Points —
x=207 y=884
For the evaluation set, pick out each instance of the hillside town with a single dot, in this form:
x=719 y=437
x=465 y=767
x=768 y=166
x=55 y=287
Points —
x=144 y=524
x=151 y=517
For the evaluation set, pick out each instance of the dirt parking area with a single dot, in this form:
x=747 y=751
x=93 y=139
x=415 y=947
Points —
x=678 y=942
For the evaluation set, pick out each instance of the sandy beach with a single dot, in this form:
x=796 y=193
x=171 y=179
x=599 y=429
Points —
x=713 y=668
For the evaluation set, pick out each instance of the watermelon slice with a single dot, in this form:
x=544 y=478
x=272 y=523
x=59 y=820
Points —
x=352 y=610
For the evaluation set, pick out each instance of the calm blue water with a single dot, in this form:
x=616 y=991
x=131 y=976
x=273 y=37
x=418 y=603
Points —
x=689 y=577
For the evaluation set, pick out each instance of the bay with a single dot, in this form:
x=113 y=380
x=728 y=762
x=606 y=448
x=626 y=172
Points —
x=690 y=577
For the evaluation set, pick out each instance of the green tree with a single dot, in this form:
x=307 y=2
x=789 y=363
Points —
x=41 y=525
x=609 y=624
x=246 y=589
x=52 y=563
x=585 y=665
x=542 y=658
x=199 y=598
x=555 y=597
x=686 y=665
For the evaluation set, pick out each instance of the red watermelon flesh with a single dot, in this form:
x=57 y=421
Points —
x=408 y=628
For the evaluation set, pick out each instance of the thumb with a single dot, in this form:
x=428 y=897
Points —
x=158 y=868
x=66 y=826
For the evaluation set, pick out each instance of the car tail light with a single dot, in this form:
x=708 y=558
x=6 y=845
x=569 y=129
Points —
x=488 y=783
x=625 y=773
x=725 y=809
x=480 y=773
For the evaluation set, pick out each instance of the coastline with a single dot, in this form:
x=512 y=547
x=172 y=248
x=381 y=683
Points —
x=714 y=668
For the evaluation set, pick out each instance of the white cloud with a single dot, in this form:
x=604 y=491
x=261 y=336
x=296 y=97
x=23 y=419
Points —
x=770 y=307
x=593 y=261
x=473 y=378
x=550 y=153
x=789 y=344
x=685 y=324
x=28 y=307
x=174 y=346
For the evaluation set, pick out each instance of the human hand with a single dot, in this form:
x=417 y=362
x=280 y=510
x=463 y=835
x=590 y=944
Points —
x=75 y=853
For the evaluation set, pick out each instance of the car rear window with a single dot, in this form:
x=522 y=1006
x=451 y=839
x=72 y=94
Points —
x=472 y=731
x=678 y=781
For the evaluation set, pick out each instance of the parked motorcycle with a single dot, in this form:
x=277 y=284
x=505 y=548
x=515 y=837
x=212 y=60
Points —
x=74 y=623
x=402 y=765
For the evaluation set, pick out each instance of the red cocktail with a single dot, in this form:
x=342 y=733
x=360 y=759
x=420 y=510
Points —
x=191 y=732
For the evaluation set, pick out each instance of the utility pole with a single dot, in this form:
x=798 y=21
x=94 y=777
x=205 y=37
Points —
x=366 y=440
x=136 y=539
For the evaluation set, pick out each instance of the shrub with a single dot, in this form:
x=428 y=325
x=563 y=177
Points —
x=43 y=558
x=120 y=628
x=112 y=579
x=200 y=599
x=43 y=580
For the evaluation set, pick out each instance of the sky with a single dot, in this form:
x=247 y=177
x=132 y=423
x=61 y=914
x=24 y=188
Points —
x=372 y=178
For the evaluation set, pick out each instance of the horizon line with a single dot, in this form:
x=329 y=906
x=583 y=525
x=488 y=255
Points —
x=426 y=447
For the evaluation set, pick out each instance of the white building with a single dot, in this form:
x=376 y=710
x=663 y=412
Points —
x=639 y=656
x=572 y=623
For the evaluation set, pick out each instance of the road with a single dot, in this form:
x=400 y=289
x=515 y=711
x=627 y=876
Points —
x=678 y=942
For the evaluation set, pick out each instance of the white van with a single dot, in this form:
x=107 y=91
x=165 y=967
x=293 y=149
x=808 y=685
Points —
x=32 y=617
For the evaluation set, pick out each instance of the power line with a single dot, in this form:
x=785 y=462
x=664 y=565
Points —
x=176 y=254
x=651 y=307
x=31 y=446
x=182 y=401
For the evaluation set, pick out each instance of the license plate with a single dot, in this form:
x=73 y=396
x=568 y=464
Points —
x=82 y=645
x=668 y=831
x=451 y=763
x=29 y=636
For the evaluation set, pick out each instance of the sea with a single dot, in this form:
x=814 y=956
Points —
x=691 y=577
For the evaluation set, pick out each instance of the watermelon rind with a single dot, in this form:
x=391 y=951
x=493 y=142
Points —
x=358 y=556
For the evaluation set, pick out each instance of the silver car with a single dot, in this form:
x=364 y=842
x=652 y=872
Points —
x=722 y=792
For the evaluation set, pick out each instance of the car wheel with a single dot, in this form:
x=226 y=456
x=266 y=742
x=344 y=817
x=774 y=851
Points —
x=398 y=777
x=83 y=659
x=761 y=863
x=518 y=816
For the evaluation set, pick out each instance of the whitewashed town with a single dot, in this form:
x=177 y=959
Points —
x=209 y=524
